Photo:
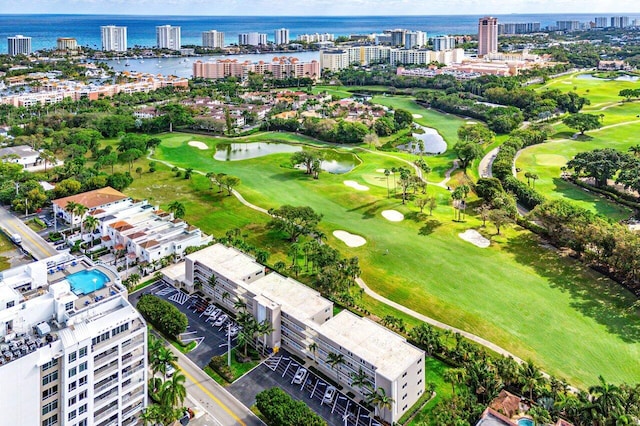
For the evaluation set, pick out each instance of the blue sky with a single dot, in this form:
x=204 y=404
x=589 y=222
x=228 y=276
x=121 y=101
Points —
x=319 y=7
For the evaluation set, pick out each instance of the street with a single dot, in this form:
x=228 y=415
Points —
x=31 y=241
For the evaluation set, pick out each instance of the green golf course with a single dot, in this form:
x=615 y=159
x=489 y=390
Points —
x=573 y=322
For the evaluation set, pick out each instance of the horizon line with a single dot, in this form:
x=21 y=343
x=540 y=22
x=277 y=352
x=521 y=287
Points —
x=323 y=16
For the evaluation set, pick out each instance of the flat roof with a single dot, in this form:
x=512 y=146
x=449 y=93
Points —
x=20 y=150
x=386 y=350
x=296 y=299
x=227 y=261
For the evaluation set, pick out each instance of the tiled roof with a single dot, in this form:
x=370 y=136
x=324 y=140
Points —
x=92 y=199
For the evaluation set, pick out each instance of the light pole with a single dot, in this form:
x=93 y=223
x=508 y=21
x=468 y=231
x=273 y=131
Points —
x=229 y=344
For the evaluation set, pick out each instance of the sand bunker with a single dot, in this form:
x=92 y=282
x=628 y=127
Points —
x=475 y=238
x=355 y=185
x=472 y=122
x=393 y=215
x=417 y=116
x=199 y=145
x=382 y=171
x=350 y=240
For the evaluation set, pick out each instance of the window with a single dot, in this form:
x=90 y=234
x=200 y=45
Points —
x=48 y=393
x=82 y=422
x=420 y=372
x=82 y=367
x=405 y=374
x=72 y=401
x=82 y=352
x=121 y=329
x=404 y=396
x=11 y=304
x=53 y=405
x=404 y=386
x=72 y=415
x=72 y=386
x=72 y=371
x=68 y=306
x=51 y=377
x=82 y=381
x=51 y=421
x=82 y=409
x=50 y=364
x=73 y=356
x=82 y=395
x=100 y=338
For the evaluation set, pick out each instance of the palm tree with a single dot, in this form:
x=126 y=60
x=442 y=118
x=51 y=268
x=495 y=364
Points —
x=360 y=379
x=80 y=210
x=47 y=157
x=635 y=150
x=380 y=399
x=454 y=376
x=531 y=377
x=334 y=360
x=177 y=208
x=607 y=398
x=387 y=172
x=263 y=329
x=173 y=391
x=313 y=347
x=90 y=225
x=163 y=359
x=133 y=280
x=153 y=347
x=71 y=209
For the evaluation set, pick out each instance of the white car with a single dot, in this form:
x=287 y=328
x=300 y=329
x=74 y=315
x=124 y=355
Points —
x=300 y=376
x=170 y=370
x=221 y=320
x=329 y=395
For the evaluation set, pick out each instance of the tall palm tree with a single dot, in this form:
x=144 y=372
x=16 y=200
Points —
x=90 y=225
x=263 y=329
x=153 y=348
x=173 y=390
x=177 y=208
x=334 y=360
x=607 y=398
x=455 y=376
x=360 y=379
x=71 y=208
x=163 y=359
x=313 y=347
x=80 y=210
x=531 y=377
x=380 y=400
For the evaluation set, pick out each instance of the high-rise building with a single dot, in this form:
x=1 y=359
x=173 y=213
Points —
x=487 y=35
x=414 y=39
x=315 y=38
x=76 y=351
x=518 y=27
x=567 y=25
x=334 y=60
x=114 y=39
x=444 y=43
x=19 y=45
x=602 y=22
x=213 y=39
x=168 y=37
x=281 y=36
x=619 y=21
x=66 y=44
x=252 y=39
x=397 y=37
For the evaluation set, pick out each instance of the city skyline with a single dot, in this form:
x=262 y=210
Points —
x=320 y=7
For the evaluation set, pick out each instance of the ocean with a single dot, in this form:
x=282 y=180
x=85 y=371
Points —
x=45 y=29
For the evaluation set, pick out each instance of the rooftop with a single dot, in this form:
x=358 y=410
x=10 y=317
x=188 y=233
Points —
x=20 y=150
x=227 y=261
x=92 y=199
x=296 y=299
x=377 y=345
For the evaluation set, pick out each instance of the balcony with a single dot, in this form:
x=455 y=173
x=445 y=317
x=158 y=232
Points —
x=133 y=343
x=135 y=355
x=101 y=372
x=128 y=412
x=105 y=356
x=106 y=397
x=101 y=414
x=106 y=384
x=132 y=370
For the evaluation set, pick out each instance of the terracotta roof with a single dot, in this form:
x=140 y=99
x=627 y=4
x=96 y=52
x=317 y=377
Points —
x=506 y=403
x=119 y=247
x=106 y=238
x=148 y=244
x=137 y=235
x=96 y=211
x=121 y=226
x=92 y=199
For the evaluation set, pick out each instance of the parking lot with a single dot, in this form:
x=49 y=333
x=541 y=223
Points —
x=280 y=371
x=211 y=340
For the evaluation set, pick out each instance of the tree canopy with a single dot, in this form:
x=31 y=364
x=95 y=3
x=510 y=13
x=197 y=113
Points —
x=582 y=122
x=294 y=221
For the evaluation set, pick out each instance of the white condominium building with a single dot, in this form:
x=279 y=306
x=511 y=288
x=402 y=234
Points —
x=252 y=39
x=334 y=59
x=300 y=317
x=72 y=349
x=444 y=43
x=114 y=39
x=315 y=38
x=281 y=36
x=19 y=45
x=168 y=37
x=213 y=39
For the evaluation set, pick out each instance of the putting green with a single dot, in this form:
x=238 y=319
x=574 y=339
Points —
x=550 y=160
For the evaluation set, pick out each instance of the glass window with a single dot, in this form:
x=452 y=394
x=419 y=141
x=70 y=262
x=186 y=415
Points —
x=72 y=356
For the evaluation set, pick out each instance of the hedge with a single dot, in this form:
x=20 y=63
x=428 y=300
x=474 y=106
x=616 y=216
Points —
x=163 y=315
x=279 y=409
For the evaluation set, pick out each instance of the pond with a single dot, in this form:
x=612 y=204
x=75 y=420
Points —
x=334 y=162
x=623 y=77
x=430 y=138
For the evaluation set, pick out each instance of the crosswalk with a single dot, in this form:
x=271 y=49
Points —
x=179 y=297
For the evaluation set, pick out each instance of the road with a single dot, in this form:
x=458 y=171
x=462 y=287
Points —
x=31 y=241
x=212 y=398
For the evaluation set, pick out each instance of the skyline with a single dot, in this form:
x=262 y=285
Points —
x=320 y=7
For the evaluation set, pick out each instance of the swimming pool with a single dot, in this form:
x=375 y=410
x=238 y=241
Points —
x=88 y=281
x=525 y=422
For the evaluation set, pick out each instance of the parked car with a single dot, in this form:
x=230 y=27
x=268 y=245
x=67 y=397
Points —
x=221 y=320
x=170 y=370
x=300 y=376
x=329 y=395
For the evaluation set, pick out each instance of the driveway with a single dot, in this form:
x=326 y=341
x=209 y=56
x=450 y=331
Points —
x=279 y=371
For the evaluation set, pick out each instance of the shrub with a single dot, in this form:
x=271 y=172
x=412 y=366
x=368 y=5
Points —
x=279 y=409
x=219 y=365
x=163 y=315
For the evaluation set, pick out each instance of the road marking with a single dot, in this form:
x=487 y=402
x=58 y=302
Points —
x=213 y=397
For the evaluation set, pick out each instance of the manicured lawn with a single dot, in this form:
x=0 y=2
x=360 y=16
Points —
x=573 y=322
x=434 y=371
